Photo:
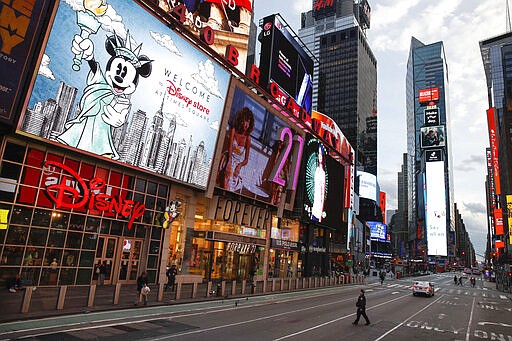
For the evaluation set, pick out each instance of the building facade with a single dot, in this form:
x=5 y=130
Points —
x=429 y=153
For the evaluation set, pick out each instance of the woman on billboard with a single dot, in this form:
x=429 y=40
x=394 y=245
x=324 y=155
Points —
x=239 y=146
x=319 y=187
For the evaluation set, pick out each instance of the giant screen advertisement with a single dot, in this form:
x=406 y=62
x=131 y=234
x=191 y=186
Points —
x=283 y=61
x=116 y=82
x=230 y=21
x=323 y=185
x=436 y=209
x=259 y=153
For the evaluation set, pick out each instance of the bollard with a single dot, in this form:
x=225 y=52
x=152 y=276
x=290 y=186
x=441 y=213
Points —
x=310 y=280
x=117 y=293
x=265 y=285
x=25 y=304
x=194 y=290
x=290 y=284
x=244 y=283
x=273 y=284
x=62 y=297
x=303 y=282
x=160 y=296
x=281 y=287
x=209 y=289
x=223 y=288
x=233 y=288
x=92 y=294
x=178 y=290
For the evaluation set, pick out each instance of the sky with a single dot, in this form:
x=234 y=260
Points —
x=460 y=24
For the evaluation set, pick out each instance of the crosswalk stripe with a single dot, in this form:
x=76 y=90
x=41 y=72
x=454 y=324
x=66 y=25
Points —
x=503 y=297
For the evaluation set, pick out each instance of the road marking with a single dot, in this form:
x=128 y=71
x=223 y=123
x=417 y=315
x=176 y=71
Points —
x=503 y=297
x=335 y=320
x=436 y=289
x=407 y=319
x=470 y=319
x=495 y=323
x=395 y=292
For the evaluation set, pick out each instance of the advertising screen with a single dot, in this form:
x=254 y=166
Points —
x=283 y=61
x=116 y=82
x=21 y=25
x=436 y=209
x=433 y=155
x=323 y=185
x=367 y=185
x=431 y=117
x=378 y=231
x=258 y=157
x=427 y=95
x=229 y=19
x=433 y=137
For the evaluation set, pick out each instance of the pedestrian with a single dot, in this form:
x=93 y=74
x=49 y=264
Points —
x=103 y=272
x=361 y=308
x=460 y=281
x=171 y=277
x=142 y=288
x=455 y=279
x=472 y=280
x=15 y=283
x=382 y=276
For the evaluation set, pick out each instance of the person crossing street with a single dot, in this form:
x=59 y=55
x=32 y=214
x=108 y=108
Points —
x=361 y=308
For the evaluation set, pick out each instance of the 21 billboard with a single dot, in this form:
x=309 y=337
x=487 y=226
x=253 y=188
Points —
x=116 y=82
x=259 y=152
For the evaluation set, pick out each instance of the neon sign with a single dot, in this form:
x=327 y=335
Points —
x=80 y=195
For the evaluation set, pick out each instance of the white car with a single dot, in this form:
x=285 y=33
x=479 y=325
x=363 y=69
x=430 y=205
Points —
x=423 y=288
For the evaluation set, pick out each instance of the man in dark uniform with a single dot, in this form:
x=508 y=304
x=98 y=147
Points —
x=361 y=308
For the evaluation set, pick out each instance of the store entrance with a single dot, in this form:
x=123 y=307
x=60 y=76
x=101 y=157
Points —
x=130 y=260
x=244 y=266
x=105 y=253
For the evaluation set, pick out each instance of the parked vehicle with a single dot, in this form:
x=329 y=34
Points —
x=476 y=271
x=423 y=288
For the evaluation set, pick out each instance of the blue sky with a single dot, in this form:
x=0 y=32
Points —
x=460 y=24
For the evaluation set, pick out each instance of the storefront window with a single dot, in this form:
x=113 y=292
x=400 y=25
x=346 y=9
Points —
x=77 y=222
x=70 y=258
x=41 y=218
x=56 y=238
x=86 y=259
x=14 y=152
x=52 y=257
x=12 y=255
x=21 y=215
x=59 y=220
x=37 y=237
x=67 y=276
x=17 y=235
x=89 y=242
x=74 y=240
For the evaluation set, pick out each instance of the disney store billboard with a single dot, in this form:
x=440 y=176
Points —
x=115 y=81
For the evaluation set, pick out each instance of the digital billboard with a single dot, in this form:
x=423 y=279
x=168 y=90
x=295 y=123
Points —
x=115 y=81
x=431 y=116
x=323 y=185
x=284 y=61
x=433 y=155
x=21 y=26
x=433 y=137
x=230 y=21
x=428 y=95
x=259 y=153
x=378 y=231
x=436 y=209
x=367 y=185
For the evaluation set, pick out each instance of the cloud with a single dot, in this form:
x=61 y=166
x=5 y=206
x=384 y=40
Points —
x=165 y=41
x=475 y=207
x=44 y=69
x=215 y=125
x=206 y=77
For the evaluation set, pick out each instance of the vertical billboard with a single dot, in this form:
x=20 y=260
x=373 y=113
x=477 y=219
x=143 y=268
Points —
x=230 y=21
x=378 y=231
x=431 y=116
x=436 y=209
x=323 y=185
x=493 y=143
x=21 y=26
x=116 y=82
x=367 y=186
x=509 y=217
x=428 y=95
x=284 y=61
x=259 y=153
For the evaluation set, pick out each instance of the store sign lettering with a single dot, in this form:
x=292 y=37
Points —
x=241 y=247
x=239 y=213
x=66 y=196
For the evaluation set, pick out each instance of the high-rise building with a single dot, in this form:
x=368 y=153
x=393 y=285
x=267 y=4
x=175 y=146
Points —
x=429 y=165
x=497 y=59
x=345 y=72
x=66 y=96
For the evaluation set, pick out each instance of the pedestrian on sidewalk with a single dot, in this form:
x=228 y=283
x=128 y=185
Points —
x=142 y=288
x=460 y=281
x=455 y=279
x=473 y=281
x=103 y=272
x=15 y=283
x=361 y=308
x=382 y=276
x=171 y=277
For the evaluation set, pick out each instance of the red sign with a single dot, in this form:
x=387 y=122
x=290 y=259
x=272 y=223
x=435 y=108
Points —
x=91 y=196
x=323 y=4
x=498 y=221
x=427 y=95
x=499 y=244
x=493 y=143
x=382 y=200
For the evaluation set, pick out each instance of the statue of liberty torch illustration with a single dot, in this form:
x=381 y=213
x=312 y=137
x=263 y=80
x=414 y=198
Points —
x=88 y=23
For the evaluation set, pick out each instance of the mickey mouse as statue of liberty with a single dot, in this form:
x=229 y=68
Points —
x=105 y=102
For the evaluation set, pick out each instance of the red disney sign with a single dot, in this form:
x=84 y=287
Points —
x=65 y=196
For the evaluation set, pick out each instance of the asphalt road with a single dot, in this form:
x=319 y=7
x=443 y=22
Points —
x=453 y=313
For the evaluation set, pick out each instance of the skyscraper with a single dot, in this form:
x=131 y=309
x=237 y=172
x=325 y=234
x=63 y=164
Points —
x=429 y=165
x=66 y=96
x=345 y=72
